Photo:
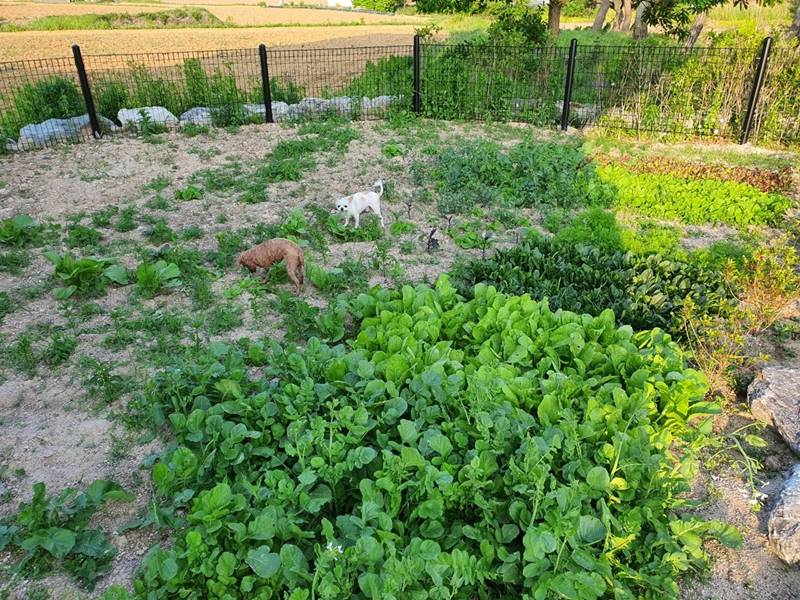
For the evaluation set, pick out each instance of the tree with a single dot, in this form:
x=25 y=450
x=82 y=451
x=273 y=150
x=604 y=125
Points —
x=600 y=17
x=622 y=21
x=794 y=28
x=696 y=30
x=554 y=16
x=640 y=24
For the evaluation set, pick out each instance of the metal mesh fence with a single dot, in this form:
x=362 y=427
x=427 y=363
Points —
x=683 y=92
x=41 y=103
x=777 y=116
x=668 y=90
x=492 y=83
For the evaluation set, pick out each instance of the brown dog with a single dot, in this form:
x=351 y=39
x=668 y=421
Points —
x=270 y=252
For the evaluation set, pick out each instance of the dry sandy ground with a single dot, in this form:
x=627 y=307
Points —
x=48 y=428
x=240 y=13
x=56 y=44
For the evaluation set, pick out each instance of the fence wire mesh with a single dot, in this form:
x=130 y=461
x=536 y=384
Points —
x=35 y=98
x=492 y=83
x=677 y=91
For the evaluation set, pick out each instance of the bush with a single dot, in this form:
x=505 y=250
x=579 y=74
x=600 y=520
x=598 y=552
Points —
x=52 y=97
x=458 y=446
x=387 y=6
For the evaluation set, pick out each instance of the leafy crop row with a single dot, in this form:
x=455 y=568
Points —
x=532 y=173
x=490 y=448
x=585 y=267
x=693 y=201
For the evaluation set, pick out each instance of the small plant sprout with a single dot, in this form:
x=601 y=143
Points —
x=433 y=242
x=486 y=238
x=409 y=202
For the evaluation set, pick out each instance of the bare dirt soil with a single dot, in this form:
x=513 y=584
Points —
x=53 y=430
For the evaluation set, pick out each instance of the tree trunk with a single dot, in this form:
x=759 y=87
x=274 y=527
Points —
x=794 y=28
x=554 y=16
x=640 y=27
x=622 y=16
x=600 y=17
x=696 y=30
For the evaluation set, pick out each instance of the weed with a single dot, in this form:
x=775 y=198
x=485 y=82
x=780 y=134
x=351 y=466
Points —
x=80 y=236
x=126 y=221
x=159 y=184
x=223 y=317
x=13 y=261
x=102 y=385
x=102 y=217
x=153 y=278
x=160 y=233
x=53 y=532
x=193 y=232
x=21 y=356
x=59 y=349
x=190 y=192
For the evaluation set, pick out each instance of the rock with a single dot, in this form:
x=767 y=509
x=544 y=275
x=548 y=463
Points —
x=59 y=130
x=278 y=110
x=157 y=114
x=379 y=102
x=784 y=520
x=11 y=145
x=774 y=398
x=199 y=115
x=343 y=105
x=773 y=463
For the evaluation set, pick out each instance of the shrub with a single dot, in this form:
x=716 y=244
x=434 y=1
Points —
x=388 y=6
x=458 y=446
x=53 y=97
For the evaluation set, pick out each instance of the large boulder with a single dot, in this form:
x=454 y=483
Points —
x=774 y=398
x=59 y=130
x=784 y=520
x=158 y=115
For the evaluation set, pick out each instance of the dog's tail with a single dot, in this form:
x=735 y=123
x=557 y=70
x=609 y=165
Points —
x=379 y=184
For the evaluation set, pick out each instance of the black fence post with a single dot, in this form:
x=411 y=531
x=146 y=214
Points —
x=417 y=100
x=262 y=54
x=87 y=91
x=573 y=48
x=755 y=92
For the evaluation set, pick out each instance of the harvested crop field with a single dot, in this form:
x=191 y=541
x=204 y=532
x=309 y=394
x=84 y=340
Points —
x=101 y=382
x=54 y=44
x=238 y=14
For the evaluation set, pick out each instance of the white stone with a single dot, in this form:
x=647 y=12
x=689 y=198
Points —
x=59 y=130
x=157 y=114
x=774 y=398
x=199 y=115
x=784 y=520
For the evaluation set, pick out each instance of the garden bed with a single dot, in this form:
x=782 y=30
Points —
x=79 y=401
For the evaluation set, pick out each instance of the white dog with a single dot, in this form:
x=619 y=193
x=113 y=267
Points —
x=359 y=202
